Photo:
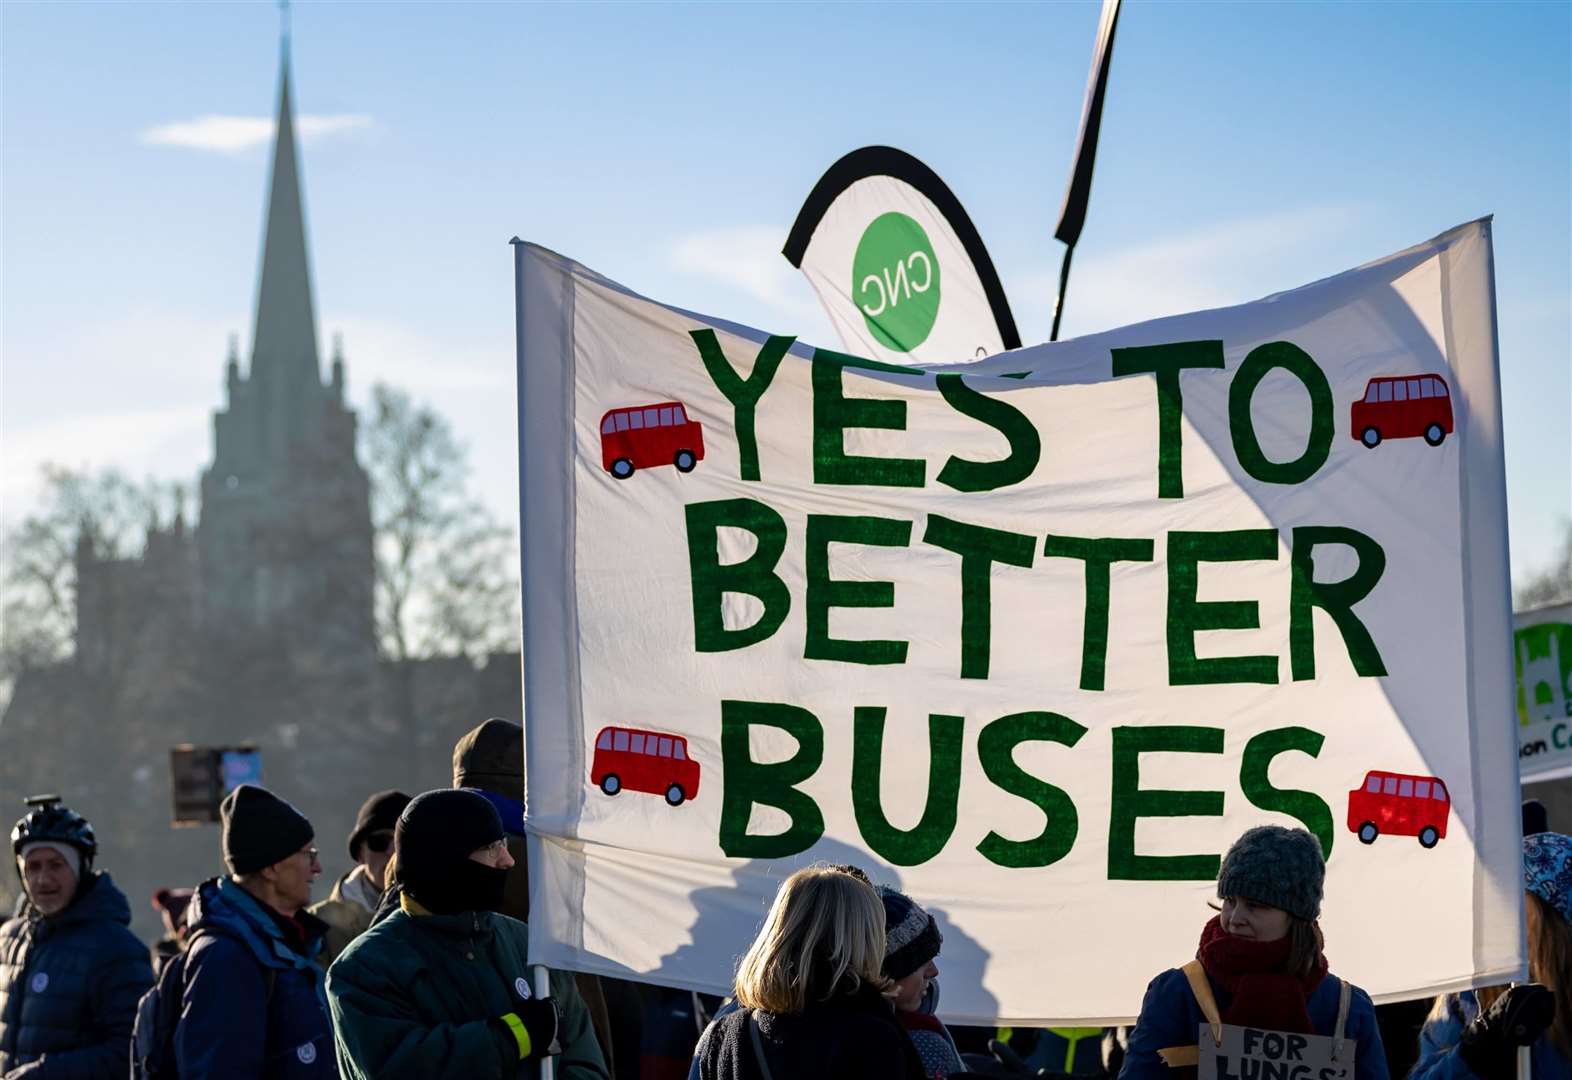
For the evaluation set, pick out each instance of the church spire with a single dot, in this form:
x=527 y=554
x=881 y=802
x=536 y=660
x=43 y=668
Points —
x=284 y=360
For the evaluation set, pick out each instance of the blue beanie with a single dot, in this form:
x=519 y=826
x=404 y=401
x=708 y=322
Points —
x=1547 y=870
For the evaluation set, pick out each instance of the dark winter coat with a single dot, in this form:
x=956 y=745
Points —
x=253 y=1007
x=414 y=996
x=849 y=1037
x=69 y=987
x=1438 y=1056
x=490 y=759
x=1170 y=1016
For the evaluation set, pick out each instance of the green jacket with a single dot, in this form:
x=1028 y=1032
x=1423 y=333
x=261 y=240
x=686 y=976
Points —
x=412 y=997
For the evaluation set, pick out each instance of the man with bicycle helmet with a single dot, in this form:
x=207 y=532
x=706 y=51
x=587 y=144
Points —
x=70 y=969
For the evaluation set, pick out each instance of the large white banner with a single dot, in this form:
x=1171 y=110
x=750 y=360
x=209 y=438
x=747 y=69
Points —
x=1033 y=638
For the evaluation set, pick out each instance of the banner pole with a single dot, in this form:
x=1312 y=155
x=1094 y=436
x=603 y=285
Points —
x=1064 y=283
x=541 y=975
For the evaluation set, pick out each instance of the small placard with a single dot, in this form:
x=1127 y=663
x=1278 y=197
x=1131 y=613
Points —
x=1258 y=1054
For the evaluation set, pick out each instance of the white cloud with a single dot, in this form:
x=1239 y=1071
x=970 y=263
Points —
x=233 y=134
x=748 y=258
x=1229 y=263
x=134 y=391
x=384 y=350
x=139 y=443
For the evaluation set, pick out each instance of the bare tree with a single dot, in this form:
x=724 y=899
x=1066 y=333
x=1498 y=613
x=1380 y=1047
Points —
x=1550 y=584
x=445 y=578
x=106 y=512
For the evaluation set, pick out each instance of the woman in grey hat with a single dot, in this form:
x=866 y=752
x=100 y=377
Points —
x=1259 y=964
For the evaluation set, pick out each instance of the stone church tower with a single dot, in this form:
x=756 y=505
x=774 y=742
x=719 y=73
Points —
x=285 y=538
x=256 y=625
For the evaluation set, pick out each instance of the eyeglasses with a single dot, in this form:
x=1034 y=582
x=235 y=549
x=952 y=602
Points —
x=310 y=853
x=379 y=842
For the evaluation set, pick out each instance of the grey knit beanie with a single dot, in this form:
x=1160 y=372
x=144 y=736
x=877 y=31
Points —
x=1273 y=865
x=911 y=937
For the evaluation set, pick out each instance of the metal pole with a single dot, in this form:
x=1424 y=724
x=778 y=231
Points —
x=1064 y=283
x=541 y=975
x=548 y=1065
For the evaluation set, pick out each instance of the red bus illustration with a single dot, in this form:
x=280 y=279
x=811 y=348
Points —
x=1399 y=804
x=643 y=436
x=1403 y=407
x=649 y=761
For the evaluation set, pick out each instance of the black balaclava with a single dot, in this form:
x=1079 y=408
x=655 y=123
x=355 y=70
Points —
x=434 y=838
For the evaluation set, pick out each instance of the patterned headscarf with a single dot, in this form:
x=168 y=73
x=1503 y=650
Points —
x=1547 y=870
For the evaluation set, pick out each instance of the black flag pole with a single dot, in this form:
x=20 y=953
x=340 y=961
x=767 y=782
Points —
x=1072 y=215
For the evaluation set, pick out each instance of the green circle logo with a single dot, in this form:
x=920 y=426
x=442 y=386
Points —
x=895 y=282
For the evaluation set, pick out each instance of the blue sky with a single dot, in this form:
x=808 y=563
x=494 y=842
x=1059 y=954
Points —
x=1247 y=148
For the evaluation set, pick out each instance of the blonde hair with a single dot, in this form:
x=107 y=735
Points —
x=824 y=935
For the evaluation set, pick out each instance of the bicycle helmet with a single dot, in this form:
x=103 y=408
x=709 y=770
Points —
x=50 y=821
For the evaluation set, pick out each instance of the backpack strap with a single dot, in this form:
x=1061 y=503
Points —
x=1176 y=1057
x=1344 y=997
x=1201 y=987
x=758 y=1047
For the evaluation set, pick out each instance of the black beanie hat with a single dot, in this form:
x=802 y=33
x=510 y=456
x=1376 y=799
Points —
x=377 y=813
x=435 y=836
x=911 y=937
x=260 y=829
x=1536 y=819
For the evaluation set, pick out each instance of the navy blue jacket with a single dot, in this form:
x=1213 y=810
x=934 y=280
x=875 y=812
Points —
x=1170 y=1016
x=69 y=987
x=253 y=1007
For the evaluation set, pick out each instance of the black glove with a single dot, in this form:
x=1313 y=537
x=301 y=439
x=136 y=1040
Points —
x=1518 y=1017
x=539 y=1019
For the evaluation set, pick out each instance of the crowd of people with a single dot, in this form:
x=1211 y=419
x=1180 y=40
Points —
x=416 y=965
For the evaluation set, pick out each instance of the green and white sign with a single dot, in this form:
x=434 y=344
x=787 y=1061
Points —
x=1542 y=655
x=898 y=265
x=1032 y=638
x=895 y=279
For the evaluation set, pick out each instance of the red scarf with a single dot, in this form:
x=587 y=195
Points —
x=1252 y=973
